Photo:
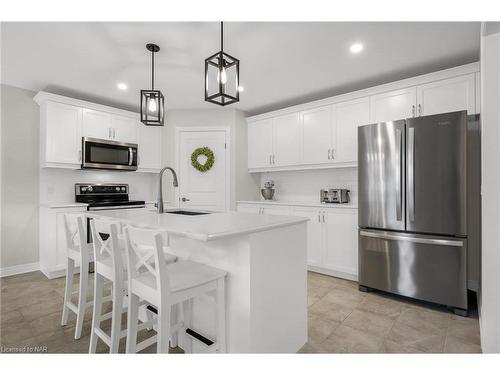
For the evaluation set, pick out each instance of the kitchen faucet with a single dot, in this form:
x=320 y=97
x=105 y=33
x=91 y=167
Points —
x=159 y=201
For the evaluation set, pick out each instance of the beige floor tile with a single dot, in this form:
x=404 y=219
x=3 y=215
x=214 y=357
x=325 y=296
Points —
x=380 y=305
x=391 y=347
x=425 y=320
x=10 y=317
x=320 y=328
x=457 y=345
x=330 y=310
x=369 y=322
x=13 y=333
x=350 y=340
x=418 y=339
x=344 y=297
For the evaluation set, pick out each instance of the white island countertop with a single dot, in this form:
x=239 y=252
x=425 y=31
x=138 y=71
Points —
x=207 y=227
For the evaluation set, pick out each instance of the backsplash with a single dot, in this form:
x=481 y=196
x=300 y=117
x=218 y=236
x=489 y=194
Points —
x=58 y=185
x=304 y=186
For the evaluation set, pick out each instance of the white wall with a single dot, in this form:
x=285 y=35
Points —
x=19 y=191
x=490 y=189
x=304 y=186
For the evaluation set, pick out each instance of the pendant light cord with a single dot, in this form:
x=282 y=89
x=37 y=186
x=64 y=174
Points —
x=222 y=36
x=152 y=70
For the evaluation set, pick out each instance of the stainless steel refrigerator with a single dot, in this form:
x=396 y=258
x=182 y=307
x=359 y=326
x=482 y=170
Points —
x=413 y=203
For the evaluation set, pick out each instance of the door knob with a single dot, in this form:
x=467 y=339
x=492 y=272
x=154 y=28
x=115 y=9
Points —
x=184 y=199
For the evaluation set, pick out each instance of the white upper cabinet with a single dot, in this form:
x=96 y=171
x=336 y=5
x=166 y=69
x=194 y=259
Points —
x=348 y=116
x=323 y=134
x=124 y=128
x=60 y=134
x=447 y=95
x=64 y=121
x=97 y=124
x=260 y=143
x=317 y=135
x=149 y=148
x=393 y=105
x=286 y=140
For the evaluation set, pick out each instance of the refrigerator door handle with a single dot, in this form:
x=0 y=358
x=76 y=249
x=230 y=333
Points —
x=411 y=174
x=430 y=241
x=399 y=196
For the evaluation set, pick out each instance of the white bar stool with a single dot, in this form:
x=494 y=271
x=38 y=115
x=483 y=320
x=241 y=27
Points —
x=109 y=255
x=77 y=250
x=165 y=286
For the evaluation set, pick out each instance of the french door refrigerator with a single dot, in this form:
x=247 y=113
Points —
x=412 y=177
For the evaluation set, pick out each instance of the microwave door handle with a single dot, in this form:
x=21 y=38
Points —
x=130 y=156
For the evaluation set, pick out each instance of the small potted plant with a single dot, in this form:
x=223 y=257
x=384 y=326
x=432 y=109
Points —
x=268 y=191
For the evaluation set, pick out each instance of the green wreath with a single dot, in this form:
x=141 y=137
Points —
x=210 y=159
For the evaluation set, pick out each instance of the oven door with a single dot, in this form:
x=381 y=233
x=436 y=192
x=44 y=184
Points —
x=104 y=154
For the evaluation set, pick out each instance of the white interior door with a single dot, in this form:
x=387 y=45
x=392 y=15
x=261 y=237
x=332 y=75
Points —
x=203 y=190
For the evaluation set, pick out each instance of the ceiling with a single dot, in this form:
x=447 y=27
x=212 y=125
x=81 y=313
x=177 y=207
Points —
x=282 y=63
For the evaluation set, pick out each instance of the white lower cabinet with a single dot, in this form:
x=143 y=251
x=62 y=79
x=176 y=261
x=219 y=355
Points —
x=52 y=239
x=332 y=236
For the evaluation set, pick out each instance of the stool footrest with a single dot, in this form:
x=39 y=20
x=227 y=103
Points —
x=199 y=337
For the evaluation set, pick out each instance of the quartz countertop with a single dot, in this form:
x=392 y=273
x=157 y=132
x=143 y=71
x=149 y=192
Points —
x=63 y=204
x=208 y=227
x=304 y=204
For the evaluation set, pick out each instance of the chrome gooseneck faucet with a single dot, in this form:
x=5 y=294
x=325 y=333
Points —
x=159 y=202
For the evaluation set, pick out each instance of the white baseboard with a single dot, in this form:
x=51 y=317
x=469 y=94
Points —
x=336 y=273
x=21 y=268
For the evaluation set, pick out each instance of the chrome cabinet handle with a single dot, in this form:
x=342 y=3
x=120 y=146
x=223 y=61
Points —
x=270 y=159
x=333 y=150
x=184 y=199
x=319 y=216
x=323 y=216
x=329 y=154
x=114 y=133
x=109 y=133
x=413 y=110
x=420 y=109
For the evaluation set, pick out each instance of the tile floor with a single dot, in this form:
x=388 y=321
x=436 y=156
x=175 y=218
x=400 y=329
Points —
x=341 y=320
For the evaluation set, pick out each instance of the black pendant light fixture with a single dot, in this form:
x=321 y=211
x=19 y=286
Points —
x=222 y=76
x=152 y=101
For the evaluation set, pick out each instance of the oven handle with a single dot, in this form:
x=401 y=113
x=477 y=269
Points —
x=115 y=207
x=130 y=156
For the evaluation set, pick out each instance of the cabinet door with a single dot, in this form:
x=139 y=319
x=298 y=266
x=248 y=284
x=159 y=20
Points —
x=260 y=143
x=249 y=208
x=149 y=147
x=96 y=124
x=314 y=235
x=286 y=140
x=63 y=133
x=124 y=129
x=317 y=135
x=447 y=95
x=341 y=241
x=393 y=105
x=348 y=116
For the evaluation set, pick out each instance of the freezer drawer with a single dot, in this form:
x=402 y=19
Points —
x=429 y=268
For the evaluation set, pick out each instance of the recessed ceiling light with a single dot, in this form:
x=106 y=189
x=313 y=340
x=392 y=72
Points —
x=122 y=86
x=241 y=88
x=356 y=48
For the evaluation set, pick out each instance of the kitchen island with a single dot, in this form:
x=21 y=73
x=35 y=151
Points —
x=266 y=285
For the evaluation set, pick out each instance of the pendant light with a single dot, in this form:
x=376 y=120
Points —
x=222 y=76
x=152 y=101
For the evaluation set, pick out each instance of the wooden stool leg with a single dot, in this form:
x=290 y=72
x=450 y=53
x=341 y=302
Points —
x=82 y=299
x=132 y=317
x=163 y=328
x=175 y=319
x=96 y=317
x=116 y=317
x=187 y=315
x=68 y=290
x=221 y=316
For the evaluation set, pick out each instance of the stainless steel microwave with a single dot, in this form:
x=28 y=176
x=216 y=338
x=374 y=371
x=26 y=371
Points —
x=104 y=154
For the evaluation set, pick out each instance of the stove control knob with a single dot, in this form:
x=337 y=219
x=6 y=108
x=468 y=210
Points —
x=117 y=188
x=89 y=189
x=123 y=188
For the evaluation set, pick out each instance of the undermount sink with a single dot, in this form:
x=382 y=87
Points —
x=184 y=212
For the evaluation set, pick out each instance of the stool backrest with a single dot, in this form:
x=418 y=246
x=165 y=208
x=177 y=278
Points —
x=145 y=255
x=106 y=242
x=76 y=233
